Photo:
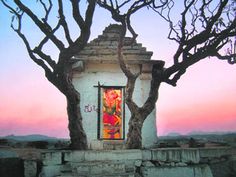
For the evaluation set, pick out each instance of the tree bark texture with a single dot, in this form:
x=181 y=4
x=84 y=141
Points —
x=63 y=82
x=134 y=136
x=77 y=133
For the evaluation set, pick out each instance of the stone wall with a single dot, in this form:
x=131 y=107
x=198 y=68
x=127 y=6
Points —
x=166 y=162
x=205 y=162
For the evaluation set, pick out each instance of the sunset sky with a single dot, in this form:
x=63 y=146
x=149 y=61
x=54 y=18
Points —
x=204 y=99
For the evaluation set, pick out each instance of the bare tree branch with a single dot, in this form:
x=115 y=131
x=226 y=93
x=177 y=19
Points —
x=89 y=14
x=197 y=44
x=76 y=13
x=84 y=25
x=31 y=52
x=45 y=57
x=43 y=27
x=63 y=22
x=131 y=78
x=46 y=9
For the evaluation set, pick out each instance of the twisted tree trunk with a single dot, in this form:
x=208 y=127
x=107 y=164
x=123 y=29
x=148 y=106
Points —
x=139 y=114
x=134 y=136
x=62 y=79
x=77 y=133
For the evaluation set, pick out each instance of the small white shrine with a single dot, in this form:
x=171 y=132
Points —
x=99 y=79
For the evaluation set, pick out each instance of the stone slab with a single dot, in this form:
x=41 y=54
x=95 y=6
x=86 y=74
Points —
x=52 y=158
x=192 y=171
x=217 y=152
x=113 y=155
x=30 y=168
x=50 y=171
x=176 y=155
x=168 y=155
x=74 y=156
x=146 y=155
x=190 y=156
x=102 y=167
x=8 y=154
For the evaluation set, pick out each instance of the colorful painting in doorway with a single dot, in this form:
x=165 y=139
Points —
x=112 y=113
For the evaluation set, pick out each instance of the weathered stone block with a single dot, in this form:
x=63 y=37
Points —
x=193 y=171
x=169 y=155
x=96 y=145
x=148 y=164
x=181 y=164
x=223 y=169
x=105 y=43
x=52 y=158
x=146 y=154
x=159 y=155
x=30 y=168
x=74 y=156
x=130 y=168
x=190 y=156
x=50 y=171
x=8 y=154
x=215 y=152
x=66 y=168
x=113 y=155
x=102 y=167
x=174 y=155
x=202 y=171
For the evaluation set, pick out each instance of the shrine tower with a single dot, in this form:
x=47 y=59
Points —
x=101 y=83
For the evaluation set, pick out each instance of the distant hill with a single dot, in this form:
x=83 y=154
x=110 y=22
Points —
x=174 y=134
x=222 y=138
x=209 y=133
x=197 y=133
x=33 y=137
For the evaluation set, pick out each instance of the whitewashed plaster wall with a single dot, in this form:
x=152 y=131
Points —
x=110 y=75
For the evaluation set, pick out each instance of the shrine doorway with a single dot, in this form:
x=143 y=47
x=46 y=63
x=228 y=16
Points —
x=111 y=123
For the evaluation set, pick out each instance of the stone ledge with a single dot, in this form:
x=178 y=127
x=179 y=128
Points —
x=104 y=155
x=190 y=155
x=217 y=152
x=191 y=171
x=176 y=155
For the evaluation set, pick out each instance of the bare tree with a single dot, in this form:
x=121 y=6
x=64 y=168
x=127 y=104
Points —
x=205 y=28
x=57 y=70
